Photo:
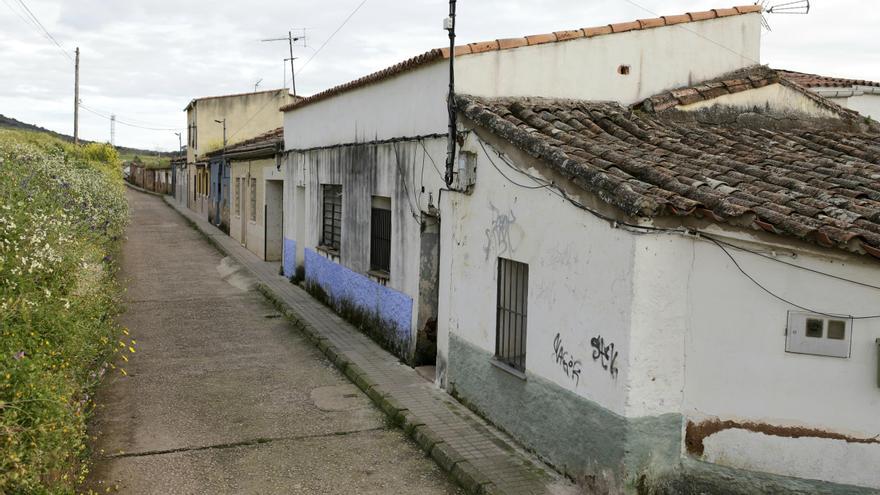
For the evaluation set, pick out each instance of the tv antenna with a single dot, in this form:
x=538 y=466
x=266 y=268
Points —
x=291 y=39
x=798 y=7
x=801 y=7
x=257 y=84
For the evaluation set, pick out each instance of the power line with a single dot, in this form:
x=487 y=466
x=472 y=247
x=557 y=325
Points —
x=35 y=22
x=686 y=232
x=344 y=22
x=353 y=12
x=128 y=124
x=684 y=27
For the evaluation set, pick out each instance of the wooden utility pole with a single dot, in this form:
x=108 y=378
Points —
x=76 y=100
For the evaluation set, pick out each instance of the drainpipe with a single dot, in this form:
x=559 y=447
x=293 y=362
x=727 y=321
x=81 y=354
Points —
x=449 y=25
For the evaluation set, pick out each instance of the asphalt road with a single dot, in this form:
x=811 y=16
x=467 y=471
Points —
x=223 y=396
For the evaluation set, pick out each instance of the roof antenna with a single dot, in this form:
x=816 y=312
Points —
x=791 y=7
x=801 y=7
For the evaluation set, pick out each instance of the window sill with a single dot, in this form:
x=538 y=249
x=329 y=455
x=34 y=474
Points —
x=380 y=274
x=327 y=250
x=507 y=368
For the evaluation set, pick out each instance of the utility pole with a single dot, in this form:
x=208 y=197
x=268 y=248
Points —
x=179 y=142
x=112 y=130
x=449 y=25
x=290 y=39
x=76 y=100
x=224 y=132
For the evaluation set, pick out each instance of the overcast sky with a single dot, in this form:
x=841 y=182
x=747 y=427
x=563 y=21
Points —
x=144 y=60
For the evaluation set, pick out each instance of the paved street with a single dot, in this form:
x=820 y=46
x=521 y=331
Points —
x=224 y=396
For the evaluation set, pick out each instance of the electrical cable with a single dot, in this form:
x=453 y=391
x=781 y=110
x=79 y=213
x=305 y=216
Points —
x=687 y=232
x=353 y=12
x=684 y=27
x=122 y=122
x=34 y=21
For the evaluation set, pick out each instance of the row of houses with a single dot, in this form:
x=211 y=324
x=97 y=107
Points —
x=655 y=259
x=158 y=179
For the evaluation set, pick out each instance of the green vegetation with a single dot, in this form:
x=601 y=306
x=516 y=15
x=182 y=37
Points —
x=62 y=215
x=149 y=161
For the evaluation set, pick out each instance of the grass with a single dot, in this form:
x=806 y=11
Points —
x=149 y=161
x=62 y=216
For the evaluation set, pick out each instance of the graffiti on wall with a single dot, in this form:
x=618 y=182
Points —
x=498 y=238
x=606 y=355
x=570 y=366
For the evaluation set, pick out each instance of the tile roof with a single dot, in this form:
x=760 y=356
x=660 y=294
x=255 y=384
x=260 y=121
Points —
x=509 y=43
x=742 y=80
x=817 y=81
x=267 y=139
x=818 y=185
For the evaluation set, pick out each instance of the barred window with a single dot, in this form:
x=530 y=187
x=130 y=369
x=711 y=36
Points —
x=511 y=316
x=253 y=194
x=331 y=233
x=380 y=234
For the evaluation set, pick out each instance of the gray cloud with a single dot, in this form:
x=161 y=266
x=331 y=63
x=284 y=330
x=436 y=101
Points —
x=144 y=60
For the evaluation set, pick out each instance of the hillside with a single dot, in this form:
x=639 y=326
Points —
x=11 y=123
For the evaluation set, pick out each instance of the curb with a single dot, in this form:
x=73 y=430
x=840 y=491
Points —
x=450 y=460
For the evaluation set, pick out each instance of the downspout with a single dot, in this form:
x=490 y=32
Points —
x=449 y=25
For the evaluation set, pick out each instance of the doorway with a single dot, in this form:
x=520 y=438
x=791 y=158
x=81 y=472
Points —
x=274 y=220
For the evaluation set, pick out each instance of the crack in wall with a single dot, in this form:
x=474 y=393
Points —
x=232 y=445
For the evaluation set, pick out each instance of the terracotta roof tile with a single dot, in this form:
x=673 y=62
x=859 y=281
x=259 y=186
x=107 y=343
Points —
x=817 y=81
x=508 y=43
x=676 y=19
x=597 y=31
x=559 y=36
x=651 y=23
x=569 y=35
x=816 y=184
x=538 y=39
x=275 y=136
x=623 y=27
x=484 y=46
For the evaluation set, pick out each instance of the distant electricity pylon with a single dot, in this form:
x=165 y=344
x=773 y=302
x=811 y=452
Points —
x=112 y=130
x=291 y=39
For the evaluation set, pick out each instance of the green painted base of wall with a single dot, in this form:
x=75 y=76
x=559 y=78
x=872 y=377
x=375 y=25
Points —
x=578 y=437
x=604 y=452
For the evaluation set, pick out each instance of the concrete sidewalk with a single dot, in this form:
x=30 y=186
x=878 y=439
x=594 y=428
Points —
x=479 y=457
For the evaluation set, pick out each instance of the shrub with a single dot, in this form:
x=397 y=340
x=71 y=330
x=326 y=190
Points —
x=62 y=214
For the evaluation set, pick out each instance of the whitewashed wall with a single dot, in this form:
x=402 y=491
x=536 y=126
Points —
x=580 y=278
x=735 y=365
x=659 y=59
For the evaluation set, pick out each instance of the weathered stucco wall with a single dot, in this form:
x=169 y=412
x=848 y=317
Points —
x=721 y=339
x=405 y=171
x=774 y=98
x=250 y=233
x=247 y=115
x=410 y=104
x=659 y=59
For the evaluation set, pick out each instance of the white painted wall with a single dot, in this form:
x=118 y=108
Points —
x=660 y=59
x=414 y=102
x=410 y=104
x=867 y=104
x=580 y=278
x=704 y=334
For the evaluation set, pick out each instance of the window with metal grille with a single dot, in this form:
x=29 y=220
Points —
x=380 y=235
x=511 y=316
x=331 y=233
x=253 y=194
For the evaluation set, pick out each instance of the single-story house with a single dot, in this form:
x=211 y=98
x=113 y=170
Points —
x=366 y=159
x=679 y=294
x=257 y=187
